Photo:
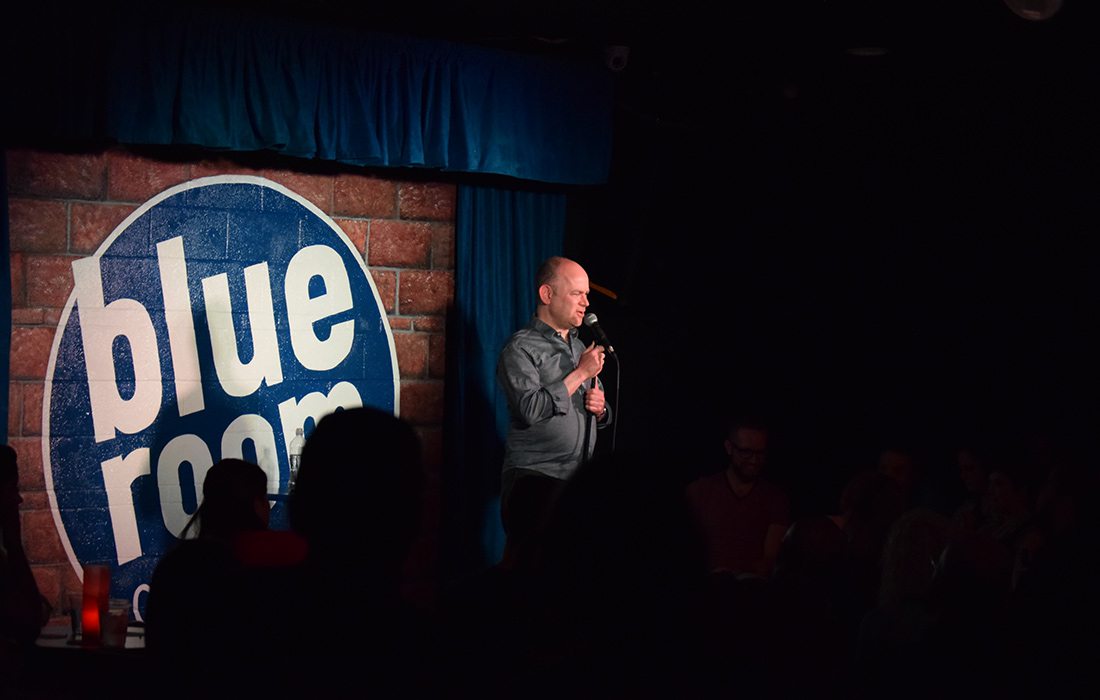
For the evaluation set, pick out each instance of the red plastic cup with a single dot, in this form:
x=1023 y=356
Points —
x=97 y=591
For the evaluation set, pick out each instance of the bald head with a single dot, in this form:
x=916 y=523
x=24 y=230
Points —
x=548 y=270
x=563 y=293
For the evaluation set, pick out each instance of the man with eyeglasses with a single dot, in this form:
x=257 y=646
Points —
x=742 y=516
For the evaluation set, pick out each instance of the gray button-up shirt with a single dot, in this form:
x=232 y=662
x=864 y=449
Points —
x=546 y=431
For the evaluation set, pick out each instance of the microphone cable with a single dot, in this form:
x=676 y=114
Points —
x=618 y=384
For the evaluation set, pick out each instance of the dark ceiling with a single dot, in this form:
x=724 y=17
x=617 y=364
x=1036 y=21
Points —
x=622 y=21
x=862 y=211
x=679 y=29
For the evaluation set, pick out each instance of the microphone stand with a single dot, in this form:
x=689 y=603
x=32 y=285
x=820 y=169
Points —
x=591 y=419
x=591 y=321
x=588 y=421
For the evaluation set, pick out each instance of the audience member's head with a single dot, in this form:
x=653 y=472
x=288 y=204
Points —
x=1067 y=500
x=9 y=486
x=973 y=466
x=901 y=464
x=8 y=462
x=747 y=447
x=1011 y=489
x=234 y=500
x=869 y=504
x=357 y=499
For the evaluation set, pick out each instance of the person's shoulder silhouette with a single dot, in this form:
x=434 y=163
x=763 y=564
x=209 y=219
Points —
x=23 y=609
x=196 y=589
x=357 y=503
x=622 y=574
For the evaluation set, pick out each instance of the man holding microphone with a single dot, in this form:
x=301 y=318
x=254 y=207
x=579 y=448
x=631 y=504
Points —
x=546 y=373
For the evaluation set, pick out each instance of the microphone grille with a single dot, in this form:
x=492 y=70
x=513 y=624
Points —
x=590 y=319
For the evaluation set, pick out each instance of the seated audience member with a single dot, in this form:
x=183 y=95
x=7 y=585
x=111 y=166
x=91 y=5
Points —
x=893 y=636
x=194 y=592
x=1055 y=579
x=906 y=465
x=23 y=610
x=969 y=639
x=974 y=511
x=488 y=616
x=742 y=516
x=1011 y=503
x=339 y=620
x=810 y=627
x=621 y=587
x=869 y=505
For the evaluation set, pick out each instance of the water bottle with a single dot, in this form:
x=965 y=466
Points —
x=296 y=445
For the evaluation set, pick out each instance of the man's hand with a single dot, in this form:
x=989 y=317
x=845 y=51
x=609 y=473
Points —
x=591 y=362
x=595 y=402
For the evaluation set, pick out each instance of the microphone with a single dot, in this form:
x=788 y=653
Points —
x=592 y=322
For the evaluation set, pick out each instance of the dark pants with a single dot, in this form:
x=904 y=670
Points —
x=526 y=500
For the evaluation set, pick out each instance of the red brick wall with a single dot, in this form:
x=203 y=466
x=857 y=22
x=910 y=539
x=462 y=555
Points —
x=62 y=206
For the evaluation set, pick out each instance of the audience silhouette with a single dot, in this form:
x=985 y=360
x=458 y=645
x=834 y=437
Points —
x=869 y=505
x=1055 y=578
x=23 y=609
x=611 y=591
x=195 y=593
x=490 y=618
x=810 y=626
x=621 y=583
x=742 y=515
x=338 y=619
x=973 y=461
x=893 y=636
x=968 y=639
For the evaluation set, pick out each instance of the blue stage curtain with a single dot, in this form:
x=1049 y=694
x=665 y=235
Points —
x=223 y=79
x=501 y=237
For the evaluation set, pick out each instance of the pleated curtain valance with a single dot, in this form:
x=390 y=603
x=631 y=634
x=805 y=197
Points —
x=226 y=80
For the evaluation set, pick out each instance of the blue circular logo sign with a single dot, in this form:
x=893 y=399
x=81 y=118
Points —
x=215 y=320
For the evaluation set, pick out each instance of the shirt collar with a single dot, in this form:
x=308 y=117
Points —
x=548 y=331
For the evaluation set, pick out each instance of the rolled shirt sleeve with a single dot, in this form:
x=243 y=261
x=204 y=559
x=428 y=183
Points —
x=529 y=399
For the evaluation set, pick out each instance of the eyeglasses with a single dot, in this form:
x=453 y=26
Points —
x=747 y=452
